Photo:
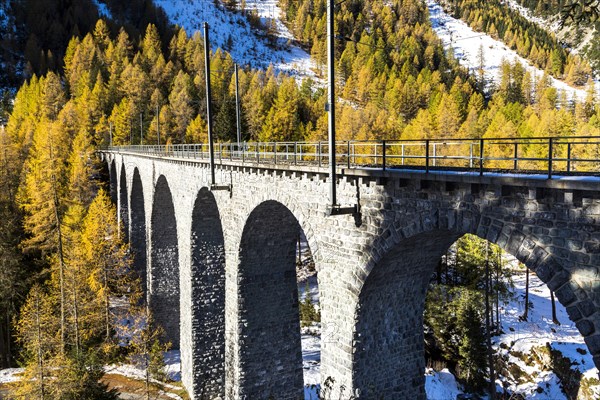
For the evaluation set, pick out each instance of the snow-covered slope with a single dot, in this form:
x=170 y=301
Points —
x=522 y=339
x=466 y=43
x=530 y=375
x=232 y=32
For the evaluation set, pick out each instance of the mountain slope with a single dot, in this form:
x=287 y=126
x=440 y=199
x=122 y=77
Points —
x=231 y=30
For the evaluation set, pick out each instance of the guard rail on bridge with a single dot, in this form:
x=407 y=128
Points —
x=565 y=156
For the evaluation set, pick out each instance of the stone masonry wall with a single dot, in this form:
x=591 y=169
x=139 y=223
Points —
x=407 y=220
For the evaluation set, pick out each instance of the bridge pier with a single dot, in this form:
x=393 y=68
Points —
x=265 y=349
x=164 y=282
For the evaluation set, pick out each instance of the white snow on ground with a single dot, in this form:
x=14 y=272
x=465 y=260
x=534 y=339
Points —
x=103 y=9
x=10 y=374
x=466 y=42
x=522 y=337
x=538 y=331
x=232 y=32
x=441 y=385
x=311 y=360
x=528 y=15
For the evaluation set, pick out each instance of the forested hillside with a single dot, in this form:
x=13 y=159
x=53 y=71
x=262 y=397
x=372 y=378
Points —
x=530 y=40
x=35 y=33
x=576 y=23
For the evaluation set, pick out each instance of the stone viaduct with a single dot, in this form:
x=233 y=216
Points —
x=220 y=265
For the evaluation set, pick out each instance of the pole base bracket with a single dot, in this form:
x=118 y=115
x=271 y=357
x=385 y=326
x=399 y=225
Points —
x=215 y=187
x=338 y=210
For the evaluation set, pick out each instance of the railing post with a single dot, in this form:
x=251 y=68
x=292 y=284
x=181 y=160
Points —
x=402 y=147
x=434 y=154
x=275 y=151
x=427 y=156
x=257 y=153
x=375 y=154
x=481 y=157
x=569 y=157
x=319 y=151
x=383 y=153
x=348 y=151
x=550 y=151
x=516 y=160
x=295 y=152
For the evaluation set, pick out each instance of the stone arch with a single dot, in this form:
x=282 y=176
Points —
x=137 y=238
x=123 y=202
x=208 y=298
x=388 y=334
x=270 y=357
x=164 y=265
x=113 y=181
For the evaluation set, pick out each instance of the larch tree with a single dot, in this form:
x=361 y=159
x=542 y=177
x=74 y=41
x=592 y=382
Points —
x=42 y=197
x=38 y=333
x=106 y=255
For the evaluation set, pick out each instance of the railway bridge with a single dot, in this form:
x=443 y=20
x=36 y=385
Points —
x=216 y=247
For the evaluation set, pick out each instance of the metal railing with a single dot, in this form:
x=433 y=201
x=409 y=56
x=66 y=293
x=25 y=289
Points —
x=549 y=156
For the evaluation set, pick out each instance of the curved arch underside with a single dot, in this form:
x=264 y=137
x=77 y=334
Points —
x=164 y=284
x=269 y=321
x=208 y=298
x=123 y=203
x=138 y=229
x=389 y=359
x=113 y=181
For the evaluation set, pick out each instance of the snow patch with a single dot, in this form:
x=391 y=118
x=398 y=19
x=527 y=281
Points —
x=466 y=42
x=232 y=32
x=10 y=374
x=441 y=385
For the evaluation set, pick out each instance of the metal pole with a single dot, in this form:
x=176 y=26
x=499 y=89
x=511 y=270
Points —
x=427 y=156
x=550 y=155
x=516 y=166
x=142 y=129
x=481 y=157
x=384 y=153
x=158 y=124
x=331 y=81
x=569 y=157
x=211 y=150
x=237 y=106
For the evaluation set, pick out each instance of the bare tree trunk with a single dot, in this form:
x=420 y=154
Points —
x=39 y=352
x=76 y=314
x=488 y=310
x=524 y=316
x=498 y=272
x=106 y=303
x=554 y=318
x=61 y=260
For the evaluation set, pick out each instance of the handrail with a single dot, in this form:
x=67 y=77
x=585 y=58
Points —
x=575 y=155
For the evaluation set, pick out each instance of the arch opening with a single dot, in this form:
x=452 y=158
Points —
x=123 y=203
x=389 y=333
x=270 y=354
x=208 y=298
x=164 y=283
x=138 y=230
x=113 y=181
